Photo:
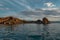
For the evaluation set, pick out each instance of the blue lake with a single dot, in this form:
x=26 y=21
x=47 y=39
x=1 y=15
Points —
x=30 y=32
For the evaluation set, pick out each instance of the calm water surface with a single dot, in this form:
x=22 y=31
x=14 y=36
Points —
x=30 y=32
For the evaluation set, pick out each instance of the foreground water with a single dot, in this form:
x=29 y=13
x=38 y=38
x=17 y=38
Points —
x=30 y=32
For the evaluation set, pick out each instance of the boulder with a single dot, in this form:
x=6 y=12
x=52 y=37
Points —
x=45 y=20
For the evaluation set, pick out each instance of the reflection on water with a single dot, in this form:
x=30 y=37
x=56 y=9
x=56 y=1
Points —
x=30 y=32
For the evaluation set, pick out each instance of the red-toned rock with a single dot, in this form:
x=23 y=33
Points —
x=10 y=20
x=45 y=20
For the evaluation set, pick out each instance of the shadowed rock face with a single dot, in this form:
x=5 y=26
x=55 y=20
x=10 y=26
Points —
x=39 y=21
x=45 y=20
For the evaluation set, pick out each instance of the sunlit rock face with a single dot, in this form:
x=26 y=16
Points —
x=45 y=20
x=10 y=20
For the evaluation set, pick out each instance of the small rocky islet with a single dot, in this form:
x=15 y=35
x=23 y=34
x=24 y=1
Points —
x=12 y=21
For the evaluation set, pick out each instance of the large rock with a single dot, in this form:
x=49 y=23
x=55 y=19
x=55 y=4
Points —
x=10 y=20
x=45 y=20
x=38 y=21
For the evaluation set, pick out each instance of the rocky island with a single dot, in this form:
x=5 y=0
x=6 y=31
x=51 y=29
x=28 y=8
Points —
x=45 y=21
x=12 y=21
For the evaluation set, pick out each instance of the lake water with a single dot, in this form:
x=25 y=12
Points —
x=30 y=32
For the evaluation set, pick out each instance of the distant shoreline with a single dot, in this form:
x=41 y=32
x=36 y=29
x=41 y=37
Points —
x=14 y=21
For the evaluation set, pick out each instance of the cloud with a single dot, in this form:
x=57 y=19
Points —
x=1 y=5
x=24 y=5
x=49 y=4
x=52 y=13
x=45 y=11
x=50 y=8
x=53 y=17
x=5 y=9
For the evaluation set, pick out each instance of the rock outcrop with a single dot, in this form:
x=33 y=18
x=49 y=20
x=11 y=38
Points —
x=38 y=21
x=10 y=21
x=45 y=20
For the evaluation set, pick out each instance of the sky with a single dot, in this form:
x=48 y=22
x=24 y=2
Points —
x=31 y=9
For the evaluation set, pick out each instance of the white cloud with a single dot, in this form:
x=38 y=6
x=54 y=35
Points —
x=50 y=8
x=52 y=14
x=49 y=4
